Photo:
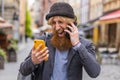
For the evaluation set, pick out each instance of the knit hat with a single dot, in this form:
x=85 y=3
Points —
x=60 y=9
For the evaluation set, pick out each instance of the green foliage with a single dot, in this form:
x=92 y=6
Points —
x=14 y=41
x=13 y=44
x=2 y=53
x=99 y=57
x=28 y=30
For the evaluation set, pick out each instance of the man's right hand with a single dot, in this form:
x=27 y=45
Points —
x=38 y=55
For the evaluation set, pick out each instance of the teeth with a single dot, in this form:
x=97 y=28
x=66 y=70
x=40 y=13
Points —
x=60 y=31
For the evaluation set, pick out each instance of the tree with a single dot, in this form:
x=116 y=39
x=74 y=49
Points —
x=28 y=31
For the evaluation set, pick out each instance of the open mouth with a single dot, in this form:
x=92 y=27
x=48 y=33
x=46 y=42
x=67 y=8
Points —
x=61 y=32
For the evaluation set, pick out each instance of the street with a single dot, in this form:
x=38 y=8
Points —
x=10 y=71
x=108 y=71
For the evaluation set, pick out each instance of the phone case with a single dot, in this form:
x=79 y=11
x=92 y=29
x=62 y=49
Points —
x=38 y=42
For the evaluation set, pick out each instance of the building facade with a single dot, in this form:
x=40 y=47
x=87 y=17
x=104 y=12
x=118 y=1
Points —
x=22 y=19
x=104 y=15
x=110 y=23
x=96 y=9
x=39 y=10
x=84 y=11
x=7 y=9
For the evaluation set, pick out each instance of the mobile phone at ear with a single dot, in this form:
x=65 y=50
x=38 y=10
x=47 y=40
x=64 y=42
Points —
x=67 y=34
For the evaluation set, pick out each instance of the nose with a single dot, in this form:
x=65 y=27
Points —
x=57 y=25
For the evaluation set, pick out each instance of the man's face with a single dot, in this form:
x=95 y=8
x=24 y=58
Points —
x=59 y=25
x=59 y=40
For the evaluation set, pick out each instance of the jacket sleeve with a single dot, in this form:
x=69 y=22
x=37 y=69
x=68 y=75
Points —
x=27 y=66
x=87 y=54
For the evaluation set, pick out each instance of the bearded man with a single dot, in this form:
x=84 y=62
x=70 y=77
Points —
x=66 y=51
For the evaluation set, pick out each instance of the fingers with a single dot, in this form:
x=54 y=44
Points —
x=73 y=25
x=74 y=33
x=42 y=54
x=38 y=48
x=39 y=55
x=43 y=57
x=72 y=28
x=46 y=58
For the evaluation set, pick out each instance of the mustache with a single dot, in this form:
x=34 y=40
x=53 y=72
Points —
x=60 y=31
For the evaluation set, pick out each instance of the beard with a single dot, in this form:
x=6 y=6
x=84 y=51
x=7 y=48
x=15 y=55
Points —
x=61 y=43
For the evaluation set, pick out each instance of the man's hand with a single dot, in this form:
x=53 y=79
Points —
x=38 y=55
x=74 y=34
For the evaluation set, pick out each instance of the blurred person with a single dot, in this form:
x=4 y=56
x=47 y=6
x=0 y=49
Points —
x=67 y=52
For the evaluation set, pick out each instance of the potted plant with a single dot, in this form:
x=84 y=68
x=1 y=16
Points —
x=11 y=50
x=2 y=58
x=12 y=44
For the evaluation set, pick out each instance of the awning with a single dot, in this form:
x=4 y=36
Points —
x=110 y=16
x=4 y=24
x=2 y=20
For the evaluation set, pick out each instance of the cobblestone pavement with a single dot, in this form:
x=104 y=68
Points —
x=108 y=71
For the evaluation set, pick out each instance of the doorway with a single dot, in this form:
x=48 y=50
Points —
x=112 y=34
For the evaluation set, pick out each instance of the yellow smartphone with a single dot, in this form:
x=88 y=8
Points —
x=37 y=43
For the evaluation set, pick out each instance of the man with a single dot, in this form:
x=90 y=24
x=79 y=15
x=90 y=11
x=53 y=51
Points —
x=66 y=51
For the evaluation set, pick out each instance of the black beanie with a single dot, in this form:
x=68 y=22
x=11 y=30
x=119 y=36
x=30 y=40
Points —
x=60 y=9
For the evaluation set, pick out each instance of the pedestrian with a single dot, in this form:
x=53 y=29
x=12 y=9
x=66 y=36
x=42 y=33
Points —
x=67 y=52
